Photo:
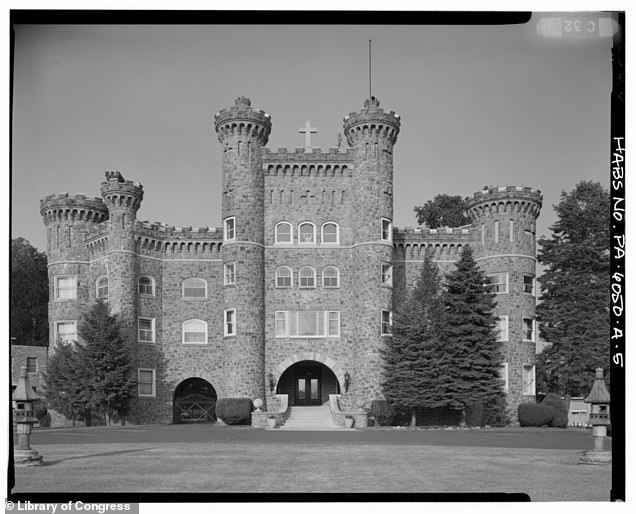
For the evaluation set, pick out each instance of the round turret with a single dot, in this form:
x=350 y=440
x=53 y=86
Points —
x=121 y=194
x=242 y=120
x=371 y=124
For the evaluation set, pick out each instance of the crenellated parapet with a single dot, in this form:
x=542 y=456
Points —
x=372 y=121
x=63 y=207
x=168 y=239
x=119 y=193
x=243 y=120
x=444 y=244
x=504 y=200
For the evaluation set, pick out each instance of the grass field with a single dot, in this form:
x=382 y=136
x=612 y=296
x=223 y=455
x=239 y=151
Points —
x=546 y=475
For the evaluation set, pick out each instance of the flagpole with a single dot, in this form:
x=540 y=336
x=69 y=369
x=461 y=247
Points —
x=369 y=68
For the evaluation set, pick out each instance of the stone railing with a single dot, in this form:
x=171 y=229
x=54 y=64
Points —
x=338 y=415
x=259 y=418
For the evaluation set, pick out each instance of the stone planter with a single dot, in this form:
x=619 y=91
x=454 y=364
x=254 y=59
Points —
x=271 y=422
x=348 y=422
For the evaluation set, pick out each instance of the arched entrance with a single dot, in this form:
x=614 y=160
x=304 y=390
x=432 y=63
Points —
x=194 y=402
x=308 y=383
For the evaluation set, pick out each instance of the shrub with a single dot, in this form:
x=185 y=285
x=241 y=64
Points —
x=560 y=418
x=535 y=414
x=475 y=414
x=381 y=411
x=39 y=409
x=234 y=411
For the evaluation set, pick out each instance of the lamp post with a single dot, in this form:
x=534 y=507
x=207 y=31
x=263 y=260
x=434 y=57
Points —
x=23 y=398
x=599 y=397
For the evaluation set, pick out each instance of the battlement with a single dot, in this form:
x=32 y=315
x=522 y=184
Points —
x=419 y=235
x=243 y=119
x=118 y=192
x=163 y=230
x=372 y=119
x=316 y=154
x=504 y=199
x=77 y=207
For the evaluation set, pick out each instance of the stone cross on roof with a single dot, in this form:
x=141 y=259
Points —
x=308 y=130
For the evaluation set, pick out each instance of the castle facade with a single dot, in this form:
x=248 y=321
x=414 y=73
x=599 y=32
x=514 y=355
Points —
x=294 y=293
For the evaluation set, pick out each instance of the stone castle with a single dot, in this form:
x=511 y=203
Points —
x=294 y=294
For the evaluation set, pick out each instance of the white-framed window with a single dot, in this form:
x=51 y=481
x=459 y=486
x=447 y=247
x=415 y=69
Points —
x=330 y=277
x=32 y=364
x=512 y=230
x=146 y=330
x=284 y=276
x=528 y=284
x=306 y=233
x=497 y=283
x=529 y=379
x=229 y=229
x=66 y=287
x=66 y=331
x=194 y=331
x=307 y=324
x=528 y=329
x=229 y=274
x=146 y=285
x=386 y=233
x=501 y=328
x=386 y=322
x=496 y=231
x=146 y=383
x=229 y=322
x=503 y=373
x=330 y=233
x=101 y=288
x=307 y=277
x=386 y=275
x=283 y=232
x=194 y=287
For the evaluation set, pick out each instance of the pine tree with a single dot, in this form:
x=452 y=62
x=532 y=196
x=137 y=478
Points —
x=108 y=360
x=470 y=357
x=409 y=356
x=573 y=313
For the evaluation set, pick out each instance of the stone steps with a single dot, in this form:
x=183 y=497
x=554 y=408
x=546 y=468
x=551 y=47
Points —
x=310 y=418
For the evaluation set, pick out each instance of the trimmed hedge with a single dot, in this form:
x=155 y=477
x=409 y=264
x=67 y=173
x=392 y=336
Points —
x=560 y=409
x=235 y=411
x=535 y=414
x=381 y=411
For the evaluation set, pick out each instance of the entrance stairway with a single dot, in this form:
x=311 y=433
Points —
x=310 y=418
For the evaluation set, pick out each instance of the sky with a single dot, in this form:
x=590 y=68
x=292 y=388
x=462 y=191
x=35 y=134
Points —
x=480 y=106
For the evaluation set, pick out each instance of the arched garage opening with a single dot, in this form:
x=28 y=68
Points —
x=194 y=402
x=308 y=383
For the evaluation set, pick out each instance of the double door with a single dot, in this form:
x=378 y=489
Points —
x=307 y=385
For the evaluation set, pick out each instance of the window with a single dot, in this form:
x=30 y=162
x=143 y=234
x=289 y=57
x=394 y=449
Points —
x=229 y=274
x=229 y=229
x=330 y=277
x=528 y=284
x=146 y=385
x=284 y=276
x=512 y=231
x=194 y=288
x=496 y=231
x=66 y=288
x=528 y=329
x=497 y=283
x=306 y=233
x=386 y=322
x=503 y=374
x=66 y=331
x=102 y=288
x=307 y=323
x=307 y=277
x=385 y=233
x=387 y=274
x=146 y=330
x=194 y=331
x=229 y=322
x=146 y=286
x=528 y=379
x=501 y=329
x=32 y=364
x=283 y=233
x=329 y=233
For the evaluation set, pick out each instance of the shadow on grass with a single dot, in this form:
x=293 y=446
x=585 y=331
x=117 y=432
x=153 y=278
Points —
x=105 y=454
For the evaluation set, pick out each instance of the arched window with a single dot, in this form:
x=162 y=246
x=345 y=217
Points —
x=284 y=277
x=330 y=277
x=194 y=288
x=102 y=288
x=330 y=233
x=146 y=285
x=307 y=277
x=194 y=331
x=283 y=233
x=307 y=233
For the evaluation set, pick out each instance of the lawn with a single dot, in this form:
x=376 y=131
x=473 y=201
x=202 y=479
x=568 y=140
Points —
x=323 y=467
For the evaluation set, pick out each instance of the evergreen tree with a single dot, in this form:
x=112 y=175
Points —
x=573 y=312
x=108 y=360
x=29 y=295
x=443 y=211
x=409 y=356
x=470 y=358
